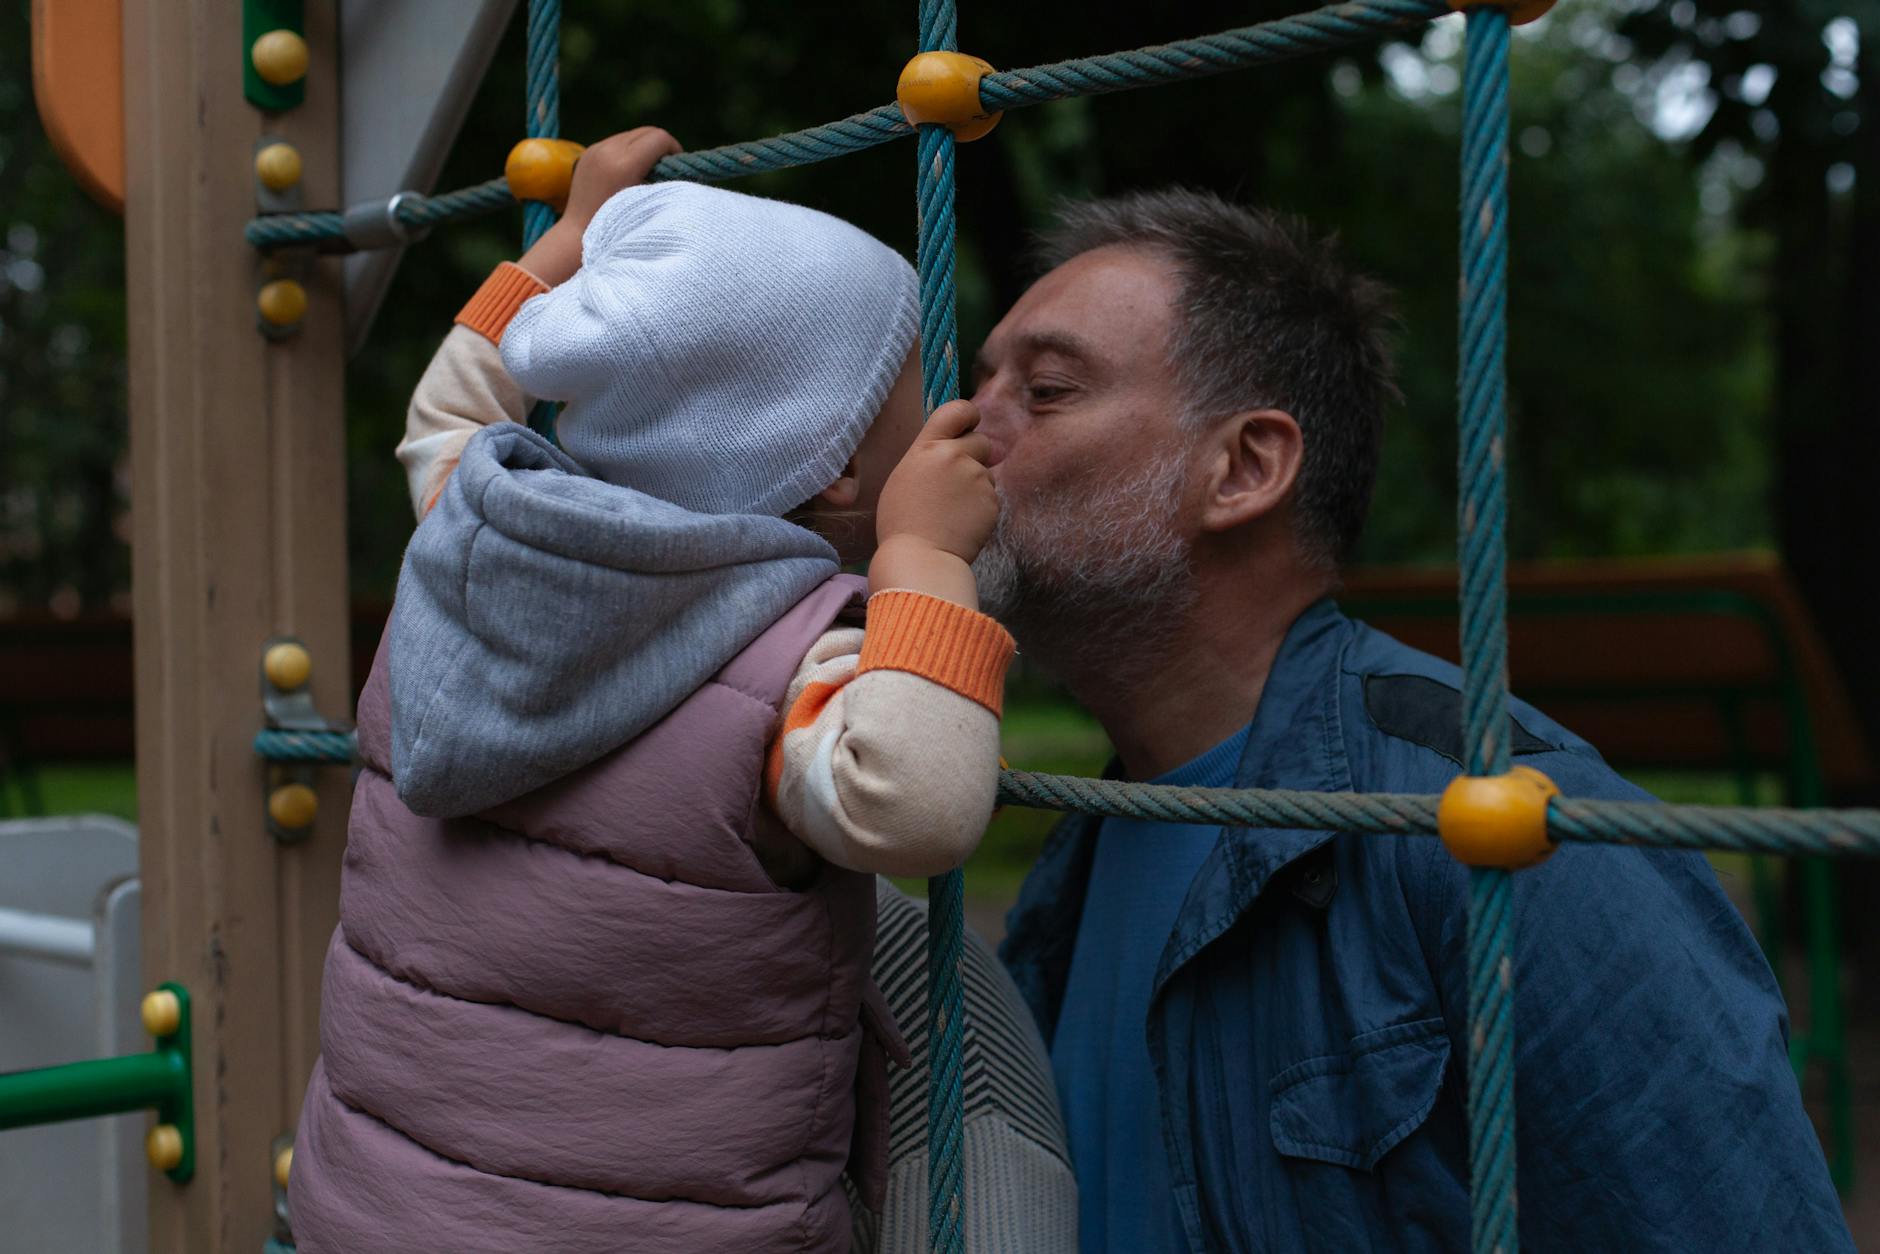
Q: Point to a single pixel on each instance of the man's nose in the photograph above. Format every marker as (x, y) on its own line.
(996, 417)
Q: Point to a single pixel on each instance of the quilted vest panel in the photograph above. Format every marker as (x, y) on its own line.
(587, 1019)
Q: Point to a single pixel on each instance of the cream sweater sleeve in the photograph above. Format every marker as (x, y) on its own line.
(465, 388)
(887, 759)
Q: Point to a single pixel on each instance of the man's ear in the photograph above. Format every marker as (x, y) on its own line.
(1256, 457)
(845, 491)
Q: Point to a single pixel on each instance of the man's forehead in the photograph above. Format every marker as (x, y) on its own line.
(1108, 304)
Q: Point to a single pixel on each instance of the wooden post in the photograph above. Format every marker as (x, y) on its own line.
(238, 506)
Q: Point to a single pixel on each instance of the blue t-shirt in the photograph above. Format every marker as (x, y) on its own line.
(1138, 879)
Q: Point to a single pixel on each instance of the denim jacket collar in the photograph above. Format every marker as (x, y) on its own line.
(1296, 739)
(1296, 736)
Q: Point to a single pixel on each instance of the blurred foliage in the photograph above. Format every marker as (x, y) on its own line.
(62, 415)
(1640, 355)
(1779, 99)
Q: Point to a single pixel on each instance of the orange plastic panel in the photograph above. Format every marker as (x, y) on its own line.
(78, 83)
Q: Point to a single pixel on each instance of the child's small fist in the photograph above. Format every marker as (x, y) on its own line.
(942, 493)
(613, 165)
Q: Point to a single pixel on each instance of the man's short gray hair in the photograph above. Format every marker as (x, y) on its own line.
(1268, 316)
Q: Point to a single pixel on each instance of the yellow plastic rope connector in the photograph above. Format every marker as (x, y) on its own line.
(278, 166)
(163, 1146)
(293, 806)
(161, 1012)
(1497, 820)
(1520, 12)
(543, 169)
(943, 87)
(287, 665)
(281, 303)
(280, 57)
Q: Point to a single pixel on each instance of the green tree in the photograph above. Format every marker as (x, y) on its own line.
(1794, 86)
(1638, 367)
(62, 415)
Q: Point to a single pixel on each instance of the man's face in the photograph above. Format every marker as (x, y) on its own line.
(1075, 380)
(1077, 396)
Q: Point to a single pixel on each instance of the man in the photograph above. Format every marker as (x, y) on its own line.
(1260, 1037)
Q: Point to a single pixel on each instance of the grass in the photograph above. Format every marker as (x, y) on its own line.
(72, 788)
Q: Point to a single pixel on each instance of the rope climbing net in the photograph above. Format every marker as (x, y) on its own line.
(1526, 817)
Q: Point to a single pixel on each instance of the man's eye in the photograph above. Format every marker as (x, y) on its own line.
(1046, 391)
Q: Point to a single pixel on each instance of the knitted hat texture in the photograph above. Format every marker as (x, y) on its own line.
(719, 351)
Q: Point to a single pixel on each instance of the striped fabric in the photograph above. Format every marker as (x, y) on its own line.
(1020, 1194)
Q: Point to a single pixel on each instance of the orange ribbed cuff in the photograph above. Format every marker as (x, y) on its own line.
(957, 648)
(496, 302)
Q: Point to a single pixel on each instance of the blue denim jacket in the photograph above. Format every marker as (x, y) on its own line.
(1308, 1024)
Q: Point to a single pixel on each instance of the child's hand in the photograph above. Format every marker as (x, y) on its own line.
(614, 164)
(937, 509)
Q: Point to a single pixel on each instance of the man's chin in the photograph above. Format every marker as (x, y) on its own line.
(997, 579)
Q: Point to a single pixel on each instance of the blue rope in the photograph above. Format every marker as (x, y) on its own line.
(337, 748)
(946, 894)
(544, 94)
(544, 122)
(1323, 30)
(1482, 532)
(1751, 830)
(1336, 26)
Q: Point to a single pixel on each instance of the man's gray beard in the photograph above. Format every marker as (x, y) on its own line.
(1093, 574)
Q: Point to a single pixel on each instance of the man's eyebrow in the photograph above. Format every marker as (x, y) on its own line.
(1059, 342)
(1035, 343)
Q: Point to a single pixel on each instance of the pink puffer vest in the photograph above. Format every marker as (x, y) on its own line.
(587, 1020)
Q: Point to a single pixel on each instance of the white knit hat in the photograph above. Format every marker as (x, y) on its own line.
(719, 351)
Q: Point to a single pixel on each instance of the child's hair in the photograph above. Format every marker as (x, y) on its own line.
(844, 529)
(719, 351)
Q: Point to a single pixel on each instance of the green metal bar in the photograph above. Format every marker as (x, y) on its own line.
(1764, 894)
(160, 1080)
(85, 1090)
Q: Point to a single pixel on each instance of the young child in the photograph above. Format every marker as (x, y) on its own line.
(602, 975)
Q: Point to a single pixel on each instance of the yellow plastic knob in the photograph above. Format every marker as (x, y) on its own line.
(278, 167)
(283, 1164)
(282, 303)
(293, 806)
(287, 665)
(1497, 820)
(542, 169)
(162, 1013)
(164, 1147)
(280, 57)
(943, 87)
(1520, 12)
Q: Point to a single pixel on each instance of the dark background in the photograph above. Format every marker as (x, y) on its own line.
(1692, 287)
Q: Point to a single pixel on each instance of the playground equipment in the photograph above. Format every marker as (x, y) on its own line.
(1687, 664)
(69, 918)
(109, 1086)
(236, 447)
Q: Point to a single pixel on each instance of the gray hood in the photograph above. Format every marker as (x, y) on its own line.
(545, 618)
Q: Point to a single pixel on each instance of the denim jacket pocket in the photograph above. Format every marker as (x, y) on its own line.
(1350, 1109)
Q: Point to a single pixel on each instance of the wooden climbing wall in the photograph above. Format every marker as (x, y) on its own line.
(238, 508)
